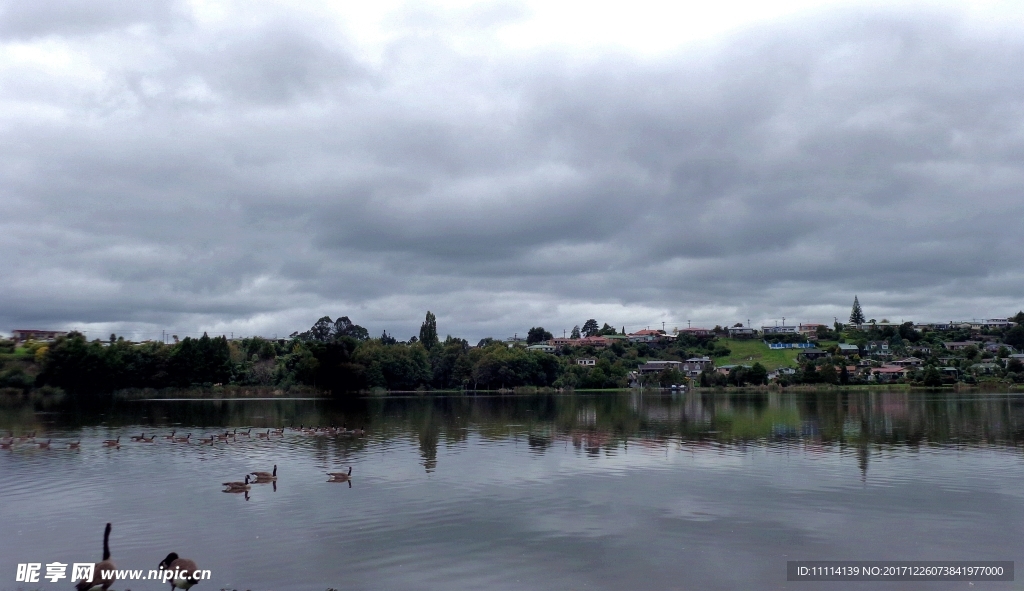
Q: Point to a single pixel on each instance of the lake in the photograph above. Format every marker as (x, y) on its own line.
(622, 490)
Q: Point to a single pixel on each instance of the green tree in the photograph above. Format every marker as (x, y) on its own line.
(932, 377)
(320, 331)
(590, 328)
(428, 331)
(575, 334)
(758, 374)
(856, 314)
(537, 334)
(1015, 337)
(343, 327)
(908, 333)
(827, 374)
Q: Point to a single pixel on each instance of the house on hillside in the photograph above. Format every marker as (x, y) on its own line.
(887, 373)
(960, 345)
(908, 362)
(847, 349)
(725, 369)
(594, 341)
(742, 332)
(660, 366)
(23, 334)
(809, 330)
(693, 366)
(877, 348)
(782, 371)
(542, 347)
(779, 329)
(645, 336)
(991, 324)
(586, 361)
(695, 332)
(812, 354)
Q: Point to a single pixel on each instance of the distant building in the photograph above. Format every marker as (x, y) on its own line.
(742, 332)
(782, 371)
(960, 345)
(22, 334)
(985, 368)
(888, 373)
(809, 329)
(594, 341)
(693, 366)
(543, 348)
(811, 354)
(659, 366)
(725, 369)
(695, 332)
(991, 323)
(908, 362)
(848, 349)
(877, 348)
(645, 336)
(586, 361)
(779, 330)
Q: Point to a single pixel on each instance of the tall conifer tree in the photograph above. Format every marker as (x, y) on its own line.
(856, 314)
(428, 331)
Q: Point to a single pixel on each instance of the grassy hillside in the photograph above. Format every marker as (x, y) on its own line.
(748, 352)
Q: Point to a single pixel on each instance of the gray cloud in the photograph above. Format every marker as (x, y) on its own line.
(255, 175)
(26, 19)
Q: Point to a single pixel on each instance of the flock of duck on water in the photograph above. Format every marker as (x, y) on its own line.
(256, 477)
(185, 569)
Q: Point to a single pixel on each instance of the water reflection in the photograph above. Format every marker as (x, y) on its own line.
(622, 490)
(594, 424)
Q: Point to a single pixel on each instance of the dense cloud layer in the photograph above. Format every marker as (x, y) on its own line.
(162, 169)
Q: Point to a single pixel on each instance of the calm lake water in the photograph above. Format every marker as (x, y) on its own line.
(610, 491)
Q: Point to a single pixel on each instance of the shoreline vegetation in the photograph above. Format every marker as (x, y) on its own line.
(49, 395)
(338, 358)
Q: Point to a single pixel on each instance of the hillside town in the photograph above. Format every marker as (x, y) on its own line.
(341, 355)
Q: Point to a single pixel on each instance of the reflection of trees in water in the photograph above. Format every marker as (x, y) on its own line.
(594, 423)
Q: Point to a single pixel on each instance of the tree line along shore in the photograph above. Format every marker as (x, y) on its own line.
(339, 356)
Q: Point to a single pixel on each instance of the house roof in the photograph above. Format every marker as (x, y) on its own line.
(889, 369)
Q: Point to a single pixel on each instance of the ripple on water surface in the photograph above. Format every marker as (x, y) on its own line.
(610, 491)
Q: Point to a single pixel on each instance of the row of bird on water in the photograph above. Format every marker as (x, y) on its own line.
(182, 573)
(29, 439)
(243, 486)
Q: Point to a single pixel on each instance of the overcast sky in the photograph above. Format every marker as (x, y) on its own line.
(248, 167)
